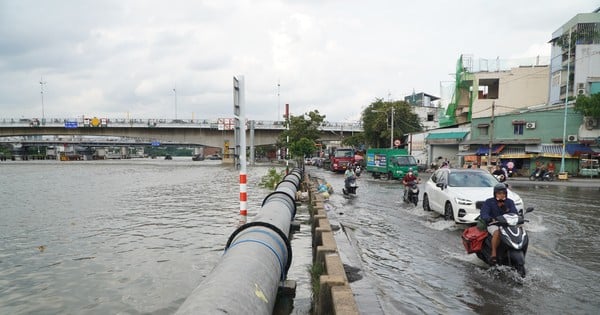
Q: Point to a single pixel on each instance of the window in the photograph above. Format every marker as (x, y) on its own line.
(483, 130)
(488, 89)
(518, 129)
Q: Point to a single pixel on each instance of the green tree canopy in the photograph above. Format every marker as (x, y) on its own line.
(377, 117)
(303, 133)
(588, 105)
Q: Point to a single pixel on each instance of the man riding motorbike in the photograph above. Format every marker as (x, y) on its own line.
(494, 207)
(407, 179)
(500, 174)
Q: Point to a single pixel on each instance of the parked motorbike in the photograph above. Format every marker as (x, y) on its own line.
(411, 193)
(350, 186)
(513, 242)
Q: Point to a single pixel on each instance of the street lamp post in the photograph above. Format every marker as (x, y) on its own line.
(175, 96)
(42, 83)
(392, 135)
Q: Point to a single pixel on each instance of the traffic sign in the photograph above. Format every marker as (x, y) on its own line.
(70, 124)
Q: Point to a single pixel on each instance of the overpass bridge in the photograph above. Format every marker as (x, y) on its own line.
(192, 133)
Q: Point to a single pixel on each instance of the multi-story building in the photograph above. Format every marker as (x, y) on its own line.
(426, 108)
(575, 58)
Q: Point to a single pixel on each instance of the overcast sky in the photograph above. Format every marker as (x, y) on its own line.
(124, 58)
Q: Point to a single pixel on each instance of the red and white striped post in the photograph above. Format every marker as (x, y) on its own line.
(239, 111)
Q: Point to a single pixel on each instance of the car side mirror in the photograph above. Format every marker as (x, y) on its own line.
(529, 209)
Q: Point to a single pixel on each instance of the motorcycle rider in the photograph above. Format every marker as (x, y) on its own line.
(349, 174)
(500, 173)
(494, 207)
(407, 179)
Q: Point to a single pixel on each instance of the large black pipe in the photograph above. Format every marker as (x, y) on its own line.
(255, 262)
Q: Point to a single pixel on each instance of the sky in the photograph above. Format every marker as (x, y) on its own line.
(176, 59)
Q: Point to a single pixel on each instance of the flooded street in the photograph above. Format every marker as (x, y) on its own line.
(419, 266)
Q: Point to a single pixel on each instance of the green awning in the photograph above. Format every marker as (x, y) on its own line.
(447, 135)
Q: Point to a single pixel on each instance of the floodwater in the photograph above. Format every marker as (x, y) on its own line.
(418, 265)
(126, 237)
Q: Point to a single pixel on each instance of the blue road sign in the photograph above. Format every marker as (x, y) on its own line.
(70, 124)
(155, 143)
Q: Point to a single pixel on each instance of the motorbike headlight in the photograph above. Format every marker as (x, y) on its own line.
(463, 201)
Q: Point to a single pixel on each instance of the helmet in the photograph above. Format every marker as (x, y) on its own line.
(500, 187)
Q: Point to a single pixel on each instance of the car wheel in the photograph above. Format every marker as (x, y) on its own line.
(448, 212)
(426, 203)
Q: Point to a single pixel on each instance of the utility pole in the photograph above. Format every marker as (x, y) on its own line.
(491, 134)
(564, 140)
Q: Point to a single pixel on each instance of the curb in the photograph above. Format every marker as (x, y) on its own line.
(335, 295)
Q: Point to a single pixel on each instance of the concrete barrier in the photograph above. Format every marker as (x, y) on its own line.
(335, 295)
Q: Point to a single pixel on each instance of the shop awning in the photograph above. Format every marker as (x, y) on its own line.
(551, 150)
(446, 137)
(515, 153)
(466, 153)
(576, 149)
(484, 150)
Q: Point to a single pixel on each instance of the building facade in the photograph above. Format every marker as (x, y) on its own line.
(575, 58)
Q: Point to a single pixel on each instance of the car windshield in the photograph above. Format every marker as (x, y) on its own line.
(343, 153)
(471, 179)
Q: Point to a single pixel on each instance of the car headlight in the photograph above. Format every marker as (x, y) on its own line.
(463, 201)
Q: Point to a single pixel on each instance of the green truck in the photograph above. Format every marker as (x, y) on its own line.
(390, 163)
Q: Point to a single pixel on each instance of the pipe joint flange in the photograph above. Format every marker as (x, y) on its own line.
(273, 228)
(293, 201)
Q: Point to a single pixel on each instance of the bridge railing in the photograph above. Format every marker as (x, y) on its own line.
(219, 124)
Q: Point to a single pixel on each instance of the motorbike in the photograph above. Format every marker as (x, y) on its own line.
(501, 178)
(541, 175)
(513, 242)
(411, 193)
(350, 186)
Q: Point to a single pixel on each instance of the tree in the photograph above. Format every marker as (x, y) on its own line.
(376, 120)
(303, 133)
(588, 105)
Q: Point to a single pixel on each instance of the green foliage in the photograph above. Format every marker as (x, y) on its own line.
(355, 141)
(303, 133)
(302, 147)
(272, 178)
(588, 105)
(376, 121)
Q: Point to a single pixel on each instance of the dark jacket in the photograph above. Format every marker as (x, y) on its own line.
(490, 209)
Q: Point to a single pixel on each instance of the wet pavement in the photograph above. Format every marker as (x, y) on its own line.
(408, 261)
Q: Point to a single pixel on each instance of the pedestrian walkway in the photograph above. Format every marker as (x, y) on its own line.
(571, 181)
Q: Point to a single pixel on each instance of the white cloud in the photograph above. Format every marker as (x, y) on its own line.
(119, 57)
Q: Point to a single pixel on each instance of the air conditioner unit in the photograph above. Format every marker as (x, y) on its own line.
(580, 91)
(580, 85)
(530, 125)
(572, 138)
(590, 123)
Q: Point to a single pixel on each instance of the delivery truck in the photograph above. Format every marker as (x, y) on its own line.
(390, 163)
